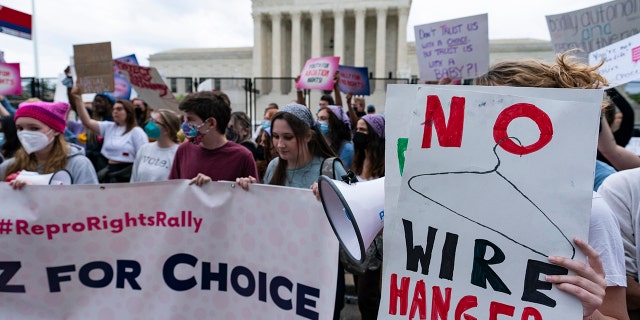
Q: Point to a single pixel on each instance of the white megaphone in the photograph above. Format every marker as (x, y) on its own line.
(355, 211)
(58, 178)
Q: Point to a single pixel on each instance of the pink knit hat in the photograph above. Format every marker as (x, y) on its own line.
(53, 114)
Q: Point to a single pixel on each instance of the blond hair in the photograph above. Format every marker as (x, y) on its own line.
(565, 73)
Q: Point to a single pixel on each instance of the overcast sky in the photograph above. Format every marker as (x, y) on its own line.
(145, 27)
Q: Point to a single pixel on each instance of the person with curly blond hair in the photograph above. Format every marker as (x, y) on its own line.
(600, 283)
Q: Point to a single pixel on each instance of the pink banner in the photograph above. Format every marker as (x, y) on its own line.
(10, 82)
(318, 73)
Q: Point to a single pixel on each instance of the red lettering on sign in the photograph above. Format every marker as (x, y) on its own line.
(519, 110)
(450, 134)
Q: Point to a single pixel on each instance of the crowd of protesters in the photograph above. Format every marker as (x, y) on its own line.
(122, 141)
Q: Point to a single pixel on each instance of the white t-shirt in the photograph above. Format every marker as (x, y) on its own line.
(153, 163)
(119, 147)
(621, 191)
(604, 237)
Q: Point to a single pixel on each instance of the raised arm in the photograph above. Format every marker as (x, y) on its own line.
(619, 157)
(300, 94)
(83, 114)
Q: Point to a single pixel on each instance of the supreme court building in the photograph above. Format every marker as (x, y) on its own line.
(368, 34)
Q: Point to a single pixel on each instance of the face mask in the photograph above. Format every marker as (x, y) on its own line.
(265, 124)
(231, 135)
(192, 130)
(2, 141)
(324, 128)
(360, 140)
(33, 141)
(152, 130)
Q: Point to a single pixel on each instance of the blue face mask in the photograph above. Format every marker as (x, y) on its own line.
(2, 141)
(265, 124)
(152, 130)
(324, 128)
(192, 130)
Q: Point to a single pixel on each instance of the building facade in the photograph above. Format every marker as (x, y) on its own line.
(368, 34)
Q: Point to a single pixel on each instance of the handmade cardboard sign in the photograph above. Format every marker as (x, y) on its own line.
(10, 81)
(125, 251)
(621, 61)
(149, 85)
(456, 49)
(318, 73)
(470, 218)
(594, 27)
(94, 67)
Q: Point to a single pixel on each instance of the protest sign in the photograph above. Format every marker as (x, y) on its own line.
(594, 27)
(2, 56)
(457, 49)
(126, 251)
(354, 80)
(122, 86)
(318, 73)
(149, 85)
(15, 23)
(620, 61)
(467, 189)
(10, 81)
(94, 67)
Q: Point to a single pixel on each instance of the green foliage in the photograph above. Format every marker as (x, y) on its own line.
(635, 97)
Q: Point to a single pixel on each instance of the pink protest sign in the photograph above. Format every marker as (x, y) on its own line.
(318, 73)
(10, 79)
(635, 54)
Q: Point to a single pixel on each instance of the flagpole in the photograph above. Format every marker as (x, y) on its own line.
(34, 39)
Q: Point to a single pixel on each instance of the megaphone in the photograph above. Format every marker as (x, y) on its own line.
(355, 212)
(60, 177)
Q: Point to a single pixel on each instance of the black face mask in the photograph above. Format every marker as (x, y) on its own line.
(360, 140)
(231, 135)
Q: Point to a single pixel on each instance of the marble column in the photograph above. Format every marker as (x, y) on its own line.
(359, 44)
(338, 34)
(402, 69)
(296, 49)
(381, 45)
(316, 34)
(276, 48)
(257, 45)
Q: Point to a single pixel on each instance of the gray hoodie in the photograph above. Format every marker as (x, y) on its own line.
(79, 166)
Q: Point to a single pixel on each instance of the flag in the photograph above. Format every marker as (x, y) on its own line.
(15, 23)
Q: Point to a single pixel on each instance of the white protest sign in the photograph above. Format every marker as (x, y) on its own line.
(471, 227)
(620, 61)
(126, 251)
(149, 85)
(594, 27)
(457, 49)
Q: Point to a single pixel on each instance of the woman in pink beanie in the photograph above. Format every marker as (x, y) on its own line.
(40, 130)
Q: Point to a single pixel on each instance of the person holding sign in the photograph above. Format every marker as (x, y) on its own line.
(122, 138)
(209, 156)
(600, 285)
(301, 153)
(40, 128)
(154, 160)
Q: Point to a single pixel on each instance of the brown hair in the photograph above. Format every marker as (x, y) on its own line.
(317, 145)
(129, 108)
(56, 160)
(375, 148)
(171, 121)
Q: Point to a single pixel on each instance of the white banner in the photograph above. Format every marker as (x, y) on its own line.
(165, 250)
(493, 181)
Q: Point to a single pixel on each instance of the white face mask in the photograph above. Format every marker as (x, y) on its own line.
(33, 141)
